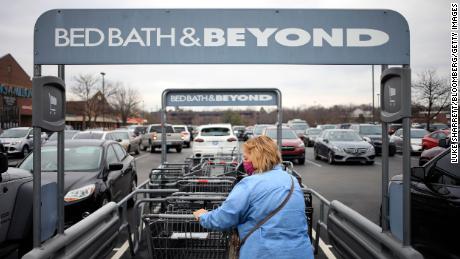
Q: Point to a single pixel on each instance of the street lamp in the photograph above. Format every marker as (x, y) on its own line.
(103, 95)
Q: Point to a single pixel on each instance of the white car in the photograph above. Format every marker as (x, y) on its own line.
(214, 139)
(185, 133)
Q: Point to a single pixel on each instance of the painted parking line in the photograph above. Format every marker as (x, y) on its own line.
(325, 248)
(141, 156)
(120, 251)
(313, 163)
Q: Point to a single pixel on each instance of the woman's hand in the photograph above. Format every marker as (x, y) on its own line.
(198, 213)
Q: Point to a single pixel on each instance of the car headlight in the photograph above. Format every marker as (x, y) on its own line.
(80, 193)
(302, 145)
(371, 149)
(367, 139)
(337, 149)
(15, 142)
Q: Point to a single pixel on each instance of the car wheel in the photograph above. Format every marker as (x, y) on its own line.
(315, 154)
(133, 187)
(179, 149)
(301, 161)
(144, 148)
(369, 162)
(105, 200)
(25, 150)
(152, 149)
(330, 158)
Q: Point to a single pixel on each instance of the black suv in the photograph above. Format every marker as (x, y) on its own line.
(372, 133)
(435, 206)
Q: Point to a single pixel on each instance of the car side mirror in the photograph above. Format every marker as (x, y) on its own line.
(443, 143)
(31, 136)
(418, 173)
(115, 167)
(326, 140)
(119, 140)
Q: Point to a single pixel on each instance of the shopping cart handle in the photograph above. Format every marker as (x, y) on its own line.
(170, 216)
(197, 198)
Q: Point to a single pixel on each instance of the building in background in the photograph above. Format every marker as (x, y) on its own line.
(15, 94)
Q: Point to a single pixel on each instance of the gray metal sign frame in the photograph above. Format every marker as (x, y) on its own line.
(165, 103)
(385, 15)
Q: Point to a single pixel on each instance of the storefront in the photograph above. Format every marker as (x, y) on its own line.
(15, 94)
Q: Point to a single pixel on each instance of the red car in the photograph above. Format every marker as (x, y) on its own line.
(292, 146)
(431, 140)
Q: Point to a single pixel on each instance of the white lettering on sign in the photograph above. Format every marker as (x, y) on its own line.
(216, 98)
(216, 37)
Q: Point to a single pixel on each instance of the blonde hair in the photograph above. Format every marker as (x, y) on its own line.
(263, 152)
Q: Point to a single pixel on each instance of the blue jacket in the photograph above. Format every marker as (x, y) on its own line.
(250, 201)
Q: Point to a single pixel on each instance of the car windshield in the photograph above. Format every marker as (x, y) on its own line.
(418, 133)
(14, 133)
(157, 129)
(179, 129)
(313, 131)
(328, 127)
(370, 130)
(258, 129)
(286, 134)
(82, 158)
(67, 135)
(89, 135)
(118, 135)
(343, 136)
(215, 131)
(299, 126)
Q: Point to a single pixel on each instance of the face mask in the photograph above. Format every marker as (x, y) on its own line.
(248, 167)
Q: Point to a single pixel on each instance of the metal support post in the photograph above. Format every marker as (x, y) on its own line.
(164, 148)
(280, 121)
(406, 177)
(373, 94)
(60, 166)
(385, 168)
(37, 177)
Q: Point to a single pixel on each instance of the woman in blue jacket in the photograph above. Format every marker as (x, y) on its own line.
(285, 234)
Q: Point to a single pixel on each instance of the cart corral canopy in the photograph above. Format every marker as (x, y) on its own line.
(218, 36)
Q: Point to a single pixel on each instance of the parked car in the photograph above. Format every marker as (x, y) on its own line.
(429, 154)
(292, 147)
(138, 130)
(434, 126)
(213, 139)
(15, 210)
(431, 140)
(416, 136)
(326, 126)
(186, 134)
(68, 134)
(393, 127)
(310, 136)
(127, 139)
(372, 133)
(91, 134)
(343, 145)
(107, 174)
(258, 129)
(153, 138)
(17, 141)
(248, 133)
(435, 207)
(299, 129)
(344, 126)
(239, 131)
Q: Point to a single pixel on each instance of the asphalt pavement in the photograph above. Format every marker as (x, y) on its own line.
(356, 185)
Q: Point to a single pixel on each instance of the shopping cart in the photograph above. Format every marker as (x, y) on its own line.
(176, 234)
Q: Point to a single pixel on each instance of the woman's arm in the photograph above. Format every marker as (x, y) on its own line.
(229, 214)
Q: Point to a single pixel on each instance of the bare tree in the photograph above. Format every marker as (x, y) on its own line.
(125, 102)
(85, 88)
(433, 93)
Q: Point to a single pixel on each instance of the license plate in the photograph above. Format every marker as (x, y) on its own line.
(215, 143)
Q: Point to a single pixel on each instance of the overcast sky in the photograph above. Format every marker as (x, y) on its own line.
(301, 85)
